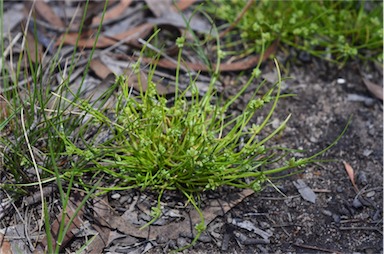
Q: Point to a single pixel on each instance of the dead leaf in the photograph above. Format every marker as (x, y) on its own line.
(184, 4)
(5, 246)
(100, 69)
(130, 36)
(85, 41)
(4, 108)
(351, 174)
(375, 89)
(31, 48)
(94, 9)
(103, 72)
(159, 7)
(13, 17)
(174, 19)
(13, 239)
(172, 230)
(241, 65)
(134, 33)
(46, 12)
(113, 12)
(305, 192)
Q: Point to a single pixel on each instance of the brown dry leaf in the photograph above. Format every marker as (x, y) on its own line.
(94, 9)
(100, 69)
(46, 12)
(4, 108)
(375, 89)
(85, 41)
(31, 44)
(184, 4)
(140, 31)
(174, 229)
(233, 66)
(114, 12)
(5, 245)
(351, 174)
(130, 36)
(103, 72)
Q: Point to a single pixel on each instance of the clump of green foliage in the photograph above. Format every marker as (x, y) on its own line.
(189, 144)
(334, 30)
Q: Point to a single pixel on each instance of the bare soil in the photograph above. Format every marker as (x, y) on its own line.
(341, 220)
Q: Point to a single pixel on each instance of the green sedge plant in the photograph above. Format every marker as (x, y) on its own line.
(333, 30)
(190, 144)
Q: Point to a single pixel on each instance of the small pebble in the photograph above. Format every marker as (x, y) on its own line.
(264, 224)
(367, 152)
(160, 239)
(370, 194)
(377, 215)
(205, 238)
(115, 196)
(356, 203)
(172, 244)
(372, 132)
(369, 103)
(313, 139)
(362, 178)
(181, 242)
(336, 218)
(339, 189)
(299, 241)
(341, 81)
(124, 199)
(276, 123)
(326, 212)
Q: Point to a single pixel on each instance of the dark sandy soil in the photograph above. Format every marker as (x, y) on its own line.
(340, 220)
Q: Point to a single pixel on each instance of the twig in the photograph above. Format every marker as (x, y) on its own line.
(316, 248)
(361, 228)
